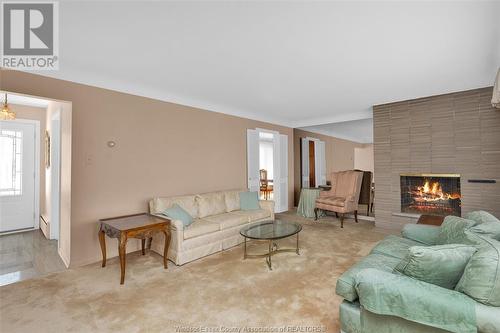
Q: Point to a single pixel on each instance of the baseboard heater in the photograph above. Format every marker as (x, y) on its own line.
(482, 181)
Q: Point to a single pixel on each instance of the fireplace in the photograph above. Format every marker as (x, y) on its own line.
(434, 194)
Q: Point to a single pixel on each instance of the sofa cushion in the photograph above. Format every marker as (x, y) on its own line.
(453, 230)
(394, 246)
(488, 229)
(232, 199)
(253, 215)
(334, 201)
(249, 200)
(200, 227)
(481, 216)
(227, 220)
(187, 202)
(346, 283)
(481, 278)
(211, 204)
(176, 212)
(441, 265)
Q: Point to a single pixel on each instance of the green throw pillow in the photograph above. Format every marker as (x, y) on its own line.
(249, 201)
(453, 230)
(481, 216)
(488, 229)
(481, 278)
(441, 265)
(176, 212)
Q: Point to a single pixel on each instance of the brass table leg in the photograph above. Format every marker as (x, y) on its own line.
(268, 258)
(245, 249)
(298, 251)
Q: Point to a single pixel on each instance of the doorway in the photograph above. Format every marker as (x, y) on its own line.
(313, 162)
(35, 171)
(267, 158)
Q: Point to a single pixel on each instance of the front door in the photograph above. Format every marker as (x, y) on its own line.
(17, 175)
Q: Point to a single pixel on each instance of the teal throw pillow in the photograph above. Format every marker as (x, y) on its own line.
(249, 201)
(441, 265)
(488, 229)
(176, 212)
(453, 230)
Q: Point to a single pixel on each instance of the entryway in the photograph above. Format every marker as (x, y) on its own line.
(35, 186)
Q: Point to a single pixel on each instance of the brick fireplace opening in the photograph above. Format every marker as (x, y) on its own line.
(433, 194)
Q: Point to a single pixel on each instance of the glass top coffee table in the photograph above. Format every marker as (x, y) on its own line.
(270, 231)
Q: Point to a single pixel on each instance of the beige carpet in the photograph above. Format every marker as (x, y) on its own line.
(221, 292)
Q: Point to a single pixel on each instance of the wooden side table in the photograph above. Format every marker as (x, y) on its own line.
(141, 226)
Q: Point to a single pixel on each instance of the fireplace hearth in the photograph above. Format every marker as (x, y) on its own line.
(433, 194)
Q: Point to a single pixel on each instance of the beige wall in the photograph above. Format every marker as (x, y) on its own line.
(162, 149)
(363, 158)
(452, 133)
(339, 155)
(35, 113)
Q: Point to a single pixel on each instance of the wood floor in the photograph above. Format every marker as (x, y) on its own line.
(26, 255)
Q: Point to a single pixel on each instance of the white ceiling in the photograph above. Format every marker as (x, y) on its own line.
(292, 63)
(354, 130)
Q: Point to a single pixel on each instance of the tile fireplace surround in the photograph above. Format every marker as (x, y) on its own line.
(457, 133)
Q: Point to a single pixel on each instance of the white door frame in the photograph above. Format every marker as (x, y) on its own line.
(36, 218)
(55, 177)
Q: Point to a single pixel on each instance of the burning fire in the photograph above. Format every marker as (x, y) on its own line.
(431, 192)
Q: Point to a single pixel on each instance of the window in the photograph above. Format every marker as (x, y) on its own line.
(10, 163)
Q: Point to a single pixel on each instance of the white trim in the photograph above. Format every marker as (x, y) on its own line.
(36, 123)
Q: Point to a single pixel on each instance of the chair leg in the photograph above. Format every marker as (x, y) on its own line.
(341, 220)
(315, 214)
(336, 215)
(368, 210)
(356, 216)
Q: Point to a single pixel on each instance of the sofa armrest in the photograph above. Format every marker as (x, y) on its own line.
(397, 295)
(422, 233)
(267, 205)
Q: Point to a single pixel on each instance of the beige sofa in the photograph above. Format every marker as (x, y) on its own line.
(216, 227)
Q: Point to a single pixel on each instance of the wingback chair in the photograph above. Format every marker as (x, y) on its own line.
(343, 197)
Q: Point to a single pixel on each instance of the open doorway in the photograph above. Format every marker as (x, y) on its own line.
(313, 162)
(268, 166)
(35, 184)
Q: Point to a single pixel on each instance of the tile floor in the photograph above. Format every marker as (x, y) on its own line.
(26, 255)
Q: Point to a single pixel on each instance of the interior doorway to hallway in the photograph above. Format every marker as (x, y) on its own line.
(267, 158)
(35, 187)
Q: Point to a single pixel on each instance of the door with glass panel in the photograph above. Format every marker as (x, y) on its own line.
(17, 175)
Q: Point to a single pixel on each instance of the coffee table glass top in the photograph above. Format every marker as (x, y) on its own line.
(271, 230)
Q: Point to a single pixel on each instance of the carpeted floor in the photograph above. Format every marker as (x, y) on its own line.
(220, 292)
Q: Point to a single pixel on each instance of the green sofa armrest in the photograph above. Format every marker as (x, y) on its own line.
(386, 293)
(426, 234)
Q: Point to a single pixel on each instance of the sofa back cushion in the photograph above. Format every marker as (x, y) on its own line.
(232, 199)
(453, 231)
(441, 265)
(481, 216)
(481, 278)
(211, 204)
(187, 202)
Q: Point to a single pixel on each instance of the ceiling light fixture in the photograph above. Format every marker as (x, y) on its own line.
(7, 113)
